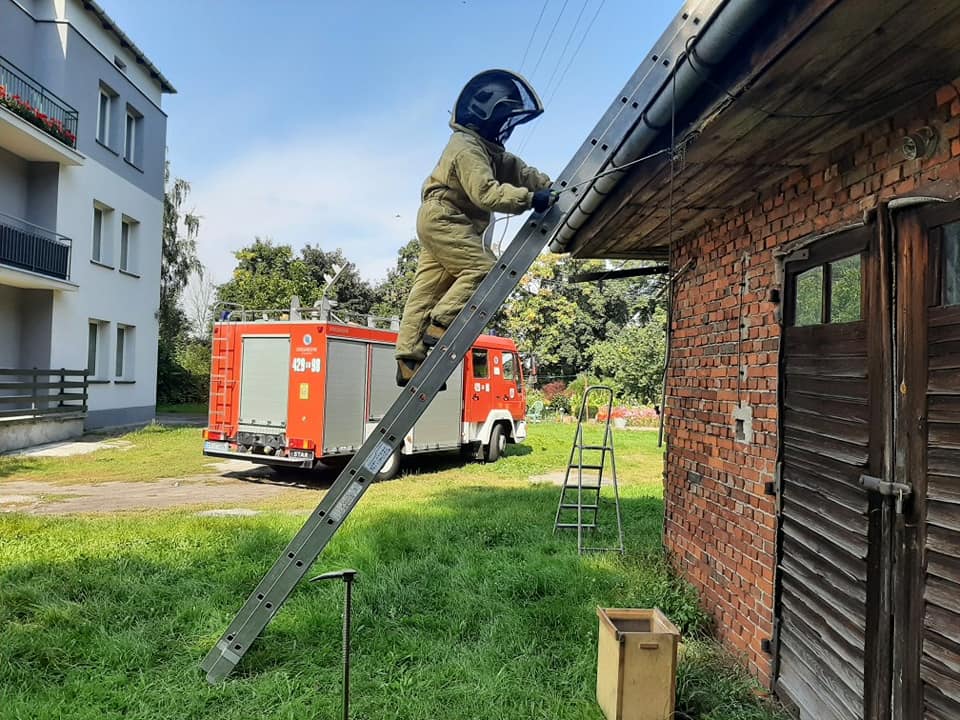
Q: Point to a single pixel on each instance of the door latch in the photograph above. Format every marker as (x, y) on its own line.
(888, 489)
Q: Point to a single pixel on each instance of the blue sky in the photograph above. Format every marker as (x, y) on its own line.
(318, 121)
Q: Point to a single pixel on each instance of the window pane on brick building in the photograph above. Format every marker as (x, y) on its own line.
(951, 264)
(809, 298)
(845, 290)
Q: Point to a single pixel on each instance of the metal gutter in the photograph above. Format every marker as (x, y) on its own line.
(710, 29)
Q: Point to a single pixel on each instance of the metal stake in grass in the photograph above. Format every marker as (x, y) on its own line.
(347, 576)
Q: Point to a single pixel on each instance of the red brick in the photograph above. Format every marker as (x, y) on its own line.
(721, 531)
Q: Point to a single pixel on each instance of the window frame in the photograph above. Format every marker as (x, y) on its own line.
(509, 358)
(846, 243)
(130, 137)
(96, 246)
(104, 110)
(128, 244)
(474, 353)
(99, 372)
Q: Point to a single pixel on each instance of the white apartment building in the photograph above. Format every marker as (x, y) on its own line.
(82, 147)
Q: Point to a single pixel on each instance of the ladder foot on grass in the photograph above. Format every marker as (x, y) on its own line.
(590, 505)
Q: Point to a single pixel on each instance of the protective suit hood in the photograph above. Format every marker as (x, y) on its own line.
(493, 103)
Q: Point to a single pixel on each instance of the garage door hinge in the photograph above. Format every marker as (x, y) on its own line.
(888, 489)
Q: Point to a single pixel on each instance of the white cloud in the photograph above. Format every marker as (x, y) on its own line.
(329, 190)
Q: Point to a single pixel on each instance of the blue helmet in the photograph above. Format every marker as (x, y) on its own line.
(494, 102)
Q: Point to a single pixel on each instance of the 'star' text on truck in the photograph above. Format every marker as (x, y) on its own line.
(298, 392)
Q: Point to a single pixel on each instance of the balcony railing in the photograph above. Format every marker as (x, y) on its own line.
(31, 247)
(28, 99)
(35, 393)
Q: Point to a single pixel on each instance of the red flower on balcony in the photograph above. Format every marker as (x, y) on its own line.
(32, 115)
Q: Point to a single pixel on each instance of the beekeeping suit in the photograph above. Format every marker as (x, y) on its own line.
(474, 178)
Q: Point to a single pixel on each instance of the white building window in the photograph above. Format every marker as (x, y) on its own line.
(128, 244)
(97, 234)
(123, 365)
(103, 116)
(133, 137)
(96, 349)
(102, 248)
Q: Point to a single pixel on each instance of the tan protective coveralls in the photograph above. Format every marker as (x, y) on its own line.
(473, 179)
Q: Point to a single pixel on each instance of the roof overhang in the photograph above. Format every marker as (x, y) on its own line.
(809, 76)
(125, 42)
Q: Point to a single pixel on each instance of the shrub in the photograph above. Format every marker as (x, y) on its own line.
(556, 397)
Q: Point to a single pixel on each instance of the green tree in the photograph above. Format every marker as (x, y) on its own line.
(560, 322)
(353, 294)
(391, 293)
(633, 359)
(267, 276)
(179, 254)
(178, 262)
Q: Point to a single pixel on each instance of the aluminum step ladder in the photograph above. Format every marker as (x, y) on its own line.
(594, 156)
(582, 496)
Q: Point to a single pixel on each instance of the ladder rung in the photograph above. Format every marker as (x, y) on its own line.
(574, 506)
(582, 487)
(594, 447)
(587, 467)
(586, 526)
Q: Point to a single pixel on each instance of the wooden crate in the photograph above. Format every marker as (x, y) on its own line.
(636, 664)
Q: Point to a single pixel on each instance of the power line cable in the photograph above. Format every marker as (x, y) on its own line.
(566, 44)
(563, 75)
(577, 51)
(546, 44)
(533, 34)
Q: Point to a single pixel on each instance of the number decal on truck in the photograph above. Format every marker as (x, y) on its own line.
(301, 364)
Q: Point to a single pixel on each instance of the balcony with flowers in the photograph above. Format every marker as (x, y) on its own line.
(34, 123)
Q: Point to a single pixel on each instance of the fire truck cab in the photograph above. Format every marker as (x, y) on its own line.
(298, 393)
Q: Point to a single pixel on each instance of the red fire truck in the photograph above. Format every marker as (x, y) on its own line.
(301, 392)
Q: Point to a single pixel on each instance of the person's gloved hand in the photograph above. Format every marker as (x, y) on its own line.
(544, 199)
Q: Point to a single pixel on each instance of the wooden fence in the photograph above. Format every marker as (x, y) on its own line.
(39, 393)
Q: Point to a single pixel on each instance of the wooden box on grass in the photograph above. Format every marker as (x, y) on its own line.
(636, 664)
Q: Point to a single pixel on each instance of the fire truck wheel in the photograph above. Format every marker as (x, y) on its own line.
(390, 470)
(498, 441)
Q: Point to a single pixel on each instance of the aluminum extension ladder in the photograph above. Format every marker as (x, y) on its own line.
(594, 156)
(567, 504)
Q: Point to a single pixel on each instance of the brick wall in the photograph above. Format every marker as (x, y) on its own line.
(720, 525)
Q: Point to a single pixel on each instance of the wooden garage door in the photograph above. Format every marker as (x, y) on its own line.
(927, 621)
(828, 578)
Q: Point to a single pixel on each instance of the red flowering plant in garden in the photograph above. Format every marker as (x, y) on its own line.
(20, 107)
(635, 416)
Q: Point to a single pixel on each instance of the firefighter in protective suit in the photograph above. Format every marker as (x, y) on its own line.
(474, 178)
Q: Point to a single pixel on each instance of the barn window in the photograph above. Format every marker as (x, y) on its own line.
(950, 268)
(845, 296)
(809, 297)
(829, 293)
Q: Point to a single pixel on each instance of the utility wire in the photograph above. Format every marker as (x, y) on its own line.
(566, 44)
(533, 34)
(576, 51)
(563, 75)
(546, 44)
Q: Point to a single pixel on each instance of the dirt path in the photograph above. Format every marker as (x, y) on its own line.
(233, 485)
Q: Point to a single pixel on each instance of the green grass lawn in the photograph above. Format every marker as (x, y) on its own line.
(184, 408)
(156, 452)
(467, 605)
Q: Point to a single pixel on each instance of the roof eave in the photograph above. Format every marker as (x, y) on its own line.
(125, 42)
